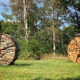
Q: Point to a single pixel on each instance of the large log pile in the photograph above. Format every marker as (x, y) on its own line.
(7, 50)
(74, 49)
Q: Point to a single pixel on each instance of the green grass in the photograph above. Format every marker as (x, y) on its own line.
(62, 69)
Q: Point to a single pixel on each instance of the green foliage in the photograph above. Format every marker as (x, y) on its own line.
(12, 28)
(33, 45)
(22, 47)
(41, 34)
(8, 28)
(69, 33)
(40, 43)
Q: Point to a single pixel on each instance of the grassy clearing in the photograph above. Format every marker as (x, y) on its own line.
(52, 57)
(61, 69)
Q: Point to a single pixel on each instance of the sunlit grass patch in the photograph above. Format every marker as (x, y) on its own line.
(61, 69)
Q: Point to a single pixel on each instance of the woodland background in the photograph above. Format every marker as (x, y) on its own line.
(40, 27)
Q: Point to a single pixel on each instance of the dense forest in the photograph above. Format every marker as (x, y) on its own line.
(41, 26)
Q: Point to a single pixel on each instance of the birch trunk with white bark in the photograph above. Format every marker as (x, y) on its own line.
(53, 27)
(54, 44)
(25, 19)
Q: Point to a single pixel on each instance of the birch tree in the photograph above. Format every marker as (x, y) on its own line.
(25, 12)
(53, 27)
(20, 10)
(57, 9)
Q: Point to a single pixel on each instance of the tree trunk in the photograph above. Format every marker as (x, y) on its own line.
(0, 26)
(25, 20)
(77, 18)
(54, 44)
(62, 42)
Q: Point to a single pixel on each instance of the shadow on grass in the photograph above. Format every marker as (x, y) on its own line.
(69, 61)
(38, 78)
(77, 78)
(22, 65)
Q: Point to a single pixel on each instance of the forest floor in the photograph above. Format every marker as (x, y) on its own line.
(58, 69)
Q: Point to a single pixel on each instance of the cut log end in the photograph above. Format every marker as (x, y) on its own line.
(74, 49)
(7, 50)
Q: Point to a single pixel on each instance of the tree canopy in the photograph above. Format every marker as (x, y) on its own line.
(48, 23)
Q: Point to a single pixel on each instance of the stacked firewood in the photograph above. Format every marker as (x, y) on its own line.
(7, 50)
(74, 49)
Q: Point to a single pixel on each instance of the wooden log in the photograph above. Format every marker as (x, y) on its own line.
(7, 50)
(74, 49)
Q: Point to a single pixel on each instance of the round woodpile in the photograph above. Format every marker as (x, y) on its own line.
(7, 50)
(74, 49)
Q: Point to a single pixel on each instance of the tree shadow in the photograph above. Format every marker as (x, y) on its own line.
(76, 78)
(38, 78)
(22, 65)
(48, 79)
(69, 61)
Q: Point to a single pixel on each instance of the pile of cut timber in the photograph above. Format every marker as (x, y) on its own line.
(74, 49)
(7, 50)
